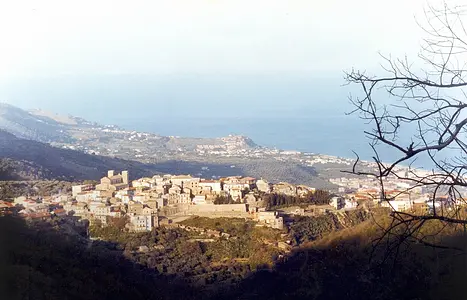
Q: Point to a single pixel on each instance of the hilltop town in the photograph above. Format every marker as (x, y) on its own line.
(161, 199)
(148, 202)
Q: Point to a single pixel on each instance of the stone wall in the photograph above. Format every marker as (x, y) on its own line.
(218, 208)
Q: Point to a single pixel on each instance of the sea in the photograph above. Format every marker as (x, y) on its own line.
(342, 136)
(300, 112)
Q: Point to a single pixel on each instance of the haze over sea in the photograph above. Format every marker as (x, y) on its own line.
(308, 114)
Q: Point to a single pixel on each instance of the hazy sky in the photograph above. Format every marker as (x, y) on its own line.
(66, 37)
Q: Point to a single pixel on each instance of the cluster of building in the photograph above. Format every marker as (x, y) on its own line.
(147, 202)
(327, 159)
(400, 192)
(150, 201)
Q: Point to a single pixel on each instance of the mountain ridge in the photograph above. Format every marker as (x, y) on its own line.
(44, 126)
(203, 157)
(23, 159)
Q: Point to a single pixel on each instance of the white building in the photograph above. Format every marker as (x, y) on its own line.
(77, 189)
(216, 186)
(398, 205)
(337, 202)
(85, 197)
(181, 179)
(271, 219)
(141, 223)
(263, 186)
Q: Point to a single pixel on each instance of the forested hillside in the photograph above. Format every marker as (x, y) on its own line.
(43, 263)
(25, 160)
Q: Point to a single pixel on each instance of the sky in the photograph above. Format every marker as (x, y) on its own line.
(94, 51)
(177, 67)
(43, 38)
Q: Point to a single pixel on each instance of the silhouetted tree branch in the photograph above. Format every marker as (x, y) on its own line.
(427, 101)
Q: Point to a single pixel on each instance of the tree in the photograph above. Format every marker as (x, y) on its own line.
(221, 199)
(428, 103)
(320, 197)
(120, 222)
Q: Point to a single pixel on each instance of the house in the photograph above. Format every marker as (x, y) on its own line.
(85, 196)
(19, 200)
(159, 180)
(77, 209)
(56, 199)
(337, 202)
(187, 190)
(161, 189)
(115, 211)
(231, 179)
(181, 179)
(135, 208)
(143, 249)
(249, 182)
(214, 185)
(270, 219)
(237, 182)
(140, 197)
(398, 205)
(59, 212)
(368, 195)
(29, 203)
(161, 202)
(37, 217)
(144, 182)
(78, 189)
(101, 210)
(263, 186)
(236, 193)
(350, 204)
(94, 204)
(397, 195)
(235, 189)
(152, 203)
(175, 189)
(147, 211)
(179, 199)
(141, 223)
(125, 195)
(102, 219)
(6, 208)
(191, 184)
(285, 188)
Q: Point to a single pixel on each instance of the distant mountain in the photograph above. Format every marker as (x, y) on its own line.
(26, 125)
(84, 150)
(22, 159)
(79, 134)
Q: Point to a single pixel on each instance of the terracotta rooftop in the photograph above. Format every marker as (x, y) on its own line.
(209, 181)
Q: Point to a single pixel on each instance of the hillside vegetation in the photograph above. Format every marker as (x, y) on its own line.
(26, 160)
(206, 261)
(12, 189)
(46, 263)
(347, 264)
